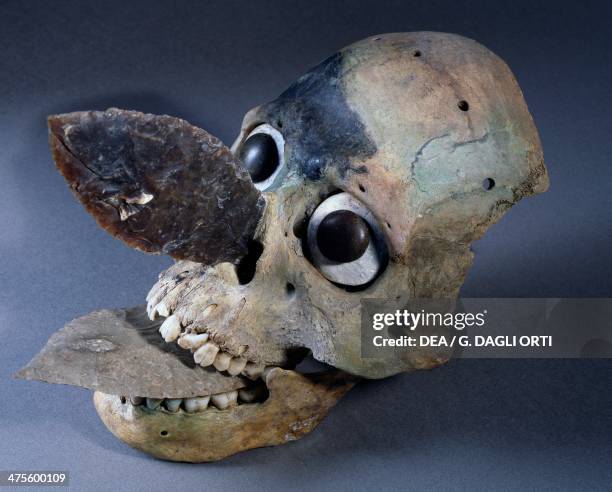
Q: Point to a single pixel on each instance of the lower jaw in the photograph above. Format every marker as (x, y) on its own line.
(296, 404)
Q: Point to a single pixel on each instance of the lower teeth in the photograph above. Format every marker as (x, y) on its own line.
(221, 401)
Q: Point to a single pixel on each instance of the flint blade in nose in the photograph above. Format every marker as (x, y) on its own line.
(158, 183)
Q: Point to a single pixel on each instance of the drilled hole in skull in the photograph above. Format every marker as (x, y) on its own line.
(463, 105)
(488, 184)
(246, 267)
(290, 289)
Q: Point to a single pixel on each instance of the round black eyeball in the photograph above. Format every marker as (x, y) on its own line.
(343, 236)
(260, 156)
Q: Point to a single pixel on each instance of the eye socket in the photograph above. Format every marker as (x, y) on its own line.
(262, 153)
(346, 243)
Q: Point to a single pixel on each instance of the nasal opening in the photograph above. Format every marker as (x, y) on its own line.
(246, 267)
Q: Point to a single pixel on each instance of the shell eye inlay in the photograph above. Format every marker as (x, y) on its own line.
(346, 243)
(259, 154)
(343, 236)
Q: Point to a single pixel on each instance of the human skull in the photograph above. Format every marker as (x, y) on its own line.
(370, 178)
(426, 132)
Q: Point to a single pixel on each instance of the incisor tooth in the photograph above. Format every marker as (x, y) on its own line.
(253, 371)
(153, 403)
(236, 366)
(225, 400)
(170, 329)
(151, 312)
(197, 404)
(222, 361)
(162, 309)
(205, 355)
(249, 395)
(172, 405)
(192, 341)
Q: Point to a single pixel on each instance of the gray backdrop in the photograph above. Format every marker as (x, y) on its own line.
(471, 424)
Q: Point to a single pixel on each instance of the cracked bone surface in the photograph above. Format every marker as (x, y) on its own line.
(426, 136)
(295, 406)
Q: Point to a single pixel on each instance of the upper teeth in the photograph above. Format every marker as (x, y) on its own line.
(170, 328)
(206, 354)
(192, 341)
(205, 351)
(236, 366)
(222, 361)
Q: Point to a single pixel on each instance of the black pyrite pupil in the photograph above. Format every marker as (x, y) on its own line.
(260, 156)
(343, 236)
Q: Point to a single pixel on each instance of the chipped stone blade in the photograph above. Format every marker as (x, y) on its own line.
(120, 352)
(158, 183)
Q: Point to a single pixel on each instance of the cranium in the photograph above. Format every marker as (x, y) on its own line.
(368, 178)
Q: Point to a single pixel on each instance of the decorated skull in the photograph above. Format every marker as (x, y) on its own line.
(368, 178)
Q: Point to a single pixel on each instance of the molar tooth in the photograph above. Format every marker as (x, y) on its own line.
(253, 371)
(197, 404)
(136, 400)
(173, 404)
(170, 328)
(162, 309)
(236, 366)
(192, 341)
(249, 395)
(225, 400)
(153, 403)
(222, 361)
(205, 355)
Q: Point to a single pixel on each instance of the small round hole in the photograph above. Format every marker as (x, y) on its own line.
(290, 289)
(123, 400)
(362, 188)
(163, 433)
(463, 105)
(417, 53)
(279, 123)
(488, 184)
(389, 225)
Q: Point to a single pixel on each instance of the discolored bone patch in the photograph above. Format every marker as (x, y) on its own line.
(158, 183)
(296, 405)
(121, 352)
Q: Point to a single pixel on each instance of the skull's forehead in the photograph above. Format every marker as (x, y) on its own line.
(386, 120)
